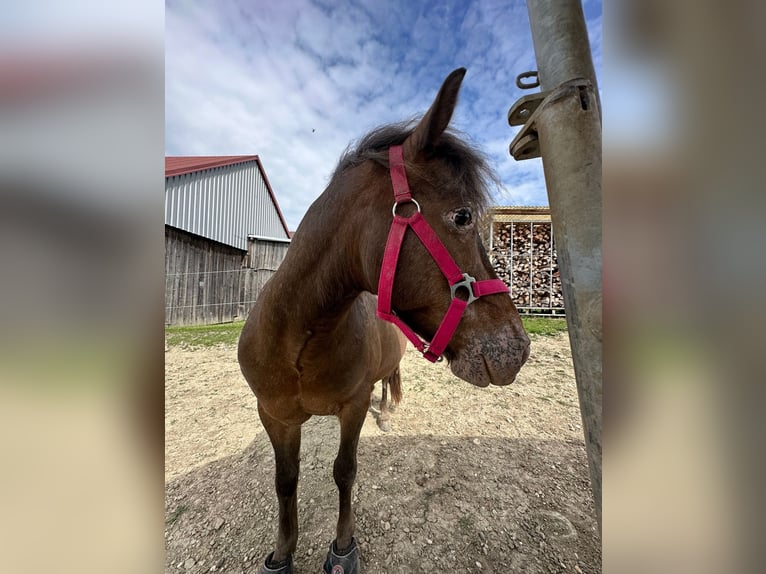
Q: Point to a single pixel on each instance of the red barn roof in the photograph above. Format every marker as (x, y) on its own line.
(179, 165)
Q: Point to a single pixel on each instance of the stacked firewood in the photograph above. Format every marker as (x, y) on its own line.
(524, 256)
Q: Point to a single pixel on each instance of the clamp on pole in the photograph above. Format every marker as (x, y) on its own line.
(525, 112)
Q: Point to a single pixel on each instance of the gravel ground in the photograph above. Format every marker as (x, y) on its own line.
(471, 480)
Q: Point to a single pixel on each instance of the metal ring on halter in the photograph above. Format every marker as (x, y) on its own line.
(397, 203)
(426, 347)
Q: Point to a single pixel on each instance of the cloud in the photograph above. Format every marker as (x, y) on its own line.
(296, 82)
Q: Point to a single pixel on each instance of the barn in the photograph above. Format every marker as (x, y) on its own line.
(523, 254)
(225, 236)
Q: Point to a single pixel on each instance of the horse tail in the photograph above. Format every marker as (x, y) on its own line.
(394, 381)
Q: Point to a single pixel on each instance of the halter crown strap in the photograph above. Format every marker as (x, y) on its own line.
(398, 175)
(455, 278)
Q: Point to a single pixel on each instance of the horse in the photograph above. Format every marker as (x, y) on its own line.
(358, 274)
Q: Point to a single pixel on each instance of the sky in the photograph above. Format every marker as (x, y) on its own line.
(297, 81)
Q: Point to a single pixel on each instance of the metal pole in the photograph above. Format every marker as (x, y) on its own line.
(550, 266)
(510, 243)
(491, 234)
(531, 241)
(560, 37)
(569, 132)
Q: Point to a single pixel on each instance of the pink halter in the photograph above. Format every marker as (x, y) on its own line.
(455, 278)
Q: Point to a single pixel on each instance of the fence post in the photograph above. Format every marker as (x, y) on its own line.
(563, 125)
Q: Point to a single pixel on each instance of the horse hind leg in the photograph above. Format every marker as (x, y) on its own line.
(394, 380)
(344, 551)
(384, 418)
(286, 440)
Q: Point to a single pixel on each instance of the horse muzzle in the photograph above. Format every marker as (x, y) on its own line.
(491, 360)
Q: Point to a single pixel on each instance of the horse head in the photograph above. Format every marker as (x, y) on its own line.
(447, 183)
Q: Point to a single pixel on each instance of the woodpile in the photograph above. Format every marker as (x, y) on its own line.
(524, 256)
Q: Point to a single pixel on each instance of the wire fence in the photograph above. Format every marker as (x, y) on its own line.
(210, 304)
(224, 295)
(217, 296)
(198, 273)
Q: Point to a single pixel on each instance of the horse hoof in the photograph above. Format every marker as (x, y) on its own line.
(284, 567)
(385, 426)
(346, 564)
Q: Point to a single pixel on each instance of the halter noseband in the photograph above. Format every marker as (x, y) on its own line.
(455, 278)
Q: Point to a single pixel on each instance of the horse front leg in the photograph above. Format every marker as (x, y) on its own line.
(344, 551)
(286, 440)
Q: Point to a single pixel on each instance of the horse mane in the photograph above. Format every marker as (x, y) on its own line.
(468, 166)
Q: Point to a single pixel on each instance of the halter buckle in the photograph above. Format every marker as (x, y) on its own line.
(467, 281)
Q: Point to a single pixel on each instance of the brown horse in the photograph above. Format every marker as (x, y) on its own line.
(314, 344)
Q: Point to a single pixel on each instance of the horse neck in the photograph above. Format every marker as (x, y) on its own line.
(327, 265)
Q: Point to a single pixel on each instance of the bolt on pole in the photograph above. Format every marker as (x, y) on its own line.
(563, 125)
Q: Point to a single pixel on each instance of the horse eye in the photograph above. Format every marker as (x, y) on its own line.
(462, 217)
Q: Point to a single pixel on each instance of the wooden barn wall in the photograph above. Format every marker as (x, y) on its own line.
(207, 282)
(266, 255)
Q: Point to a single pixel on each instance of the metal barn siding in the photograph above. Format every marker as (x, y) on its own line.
(224, 203)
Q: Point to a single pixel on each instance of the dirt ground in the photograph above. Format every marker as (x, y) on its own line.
(488, 480)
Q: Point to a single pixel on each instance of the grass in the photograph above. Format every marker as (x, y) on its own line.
(203, 335)
(545, 326)
(228, 333)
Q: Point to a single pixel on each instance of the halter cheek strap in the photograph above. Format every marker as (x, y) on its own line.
(455, 278)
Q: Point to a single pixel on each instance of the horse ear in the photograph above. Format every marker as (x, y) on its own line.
(436, 119)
